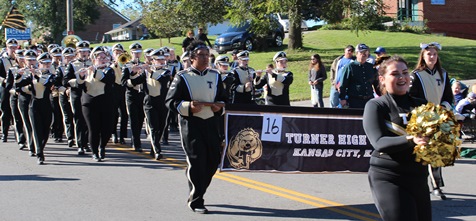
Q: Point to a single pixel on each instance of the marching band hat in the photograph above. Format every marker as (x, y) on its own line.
(55, 52)
(135, 47)
(280, 56)
(44, 57)
(158, 54)
(51, 46)
(148, 51)
(361, 47)
(83, 46)
(40, 47)
(244, 55)
(117, 47)
(30, 54)
(166, 51)
(12, 42)
(97, 50)
(185, 56)
(68, 51)
(235, 51)
(222, 60)
(19, 53)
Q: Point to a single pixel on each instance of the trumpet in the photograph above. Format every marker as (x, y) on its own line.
(124, 58)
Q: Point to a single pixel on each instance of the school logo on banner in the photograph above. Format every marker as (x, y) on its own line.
(244, 149)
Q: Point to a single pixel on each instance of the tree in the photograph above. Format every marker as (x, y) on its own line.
(162, 18)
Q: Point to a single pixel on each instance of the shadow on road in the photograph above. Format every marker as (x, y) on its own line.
(33, 177)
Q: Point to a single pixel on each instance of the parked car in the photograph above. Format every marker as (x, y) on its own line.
(240, 37)
(284, 21)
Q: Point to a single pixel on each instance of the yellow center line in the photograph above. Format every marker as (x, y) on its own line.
(264, 187)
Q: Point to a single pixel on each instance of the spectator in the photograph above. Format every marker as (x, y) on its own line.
(187, 40)
(203, 37)
(336, 67)
(467, 105)
(459, 91)
(234, 63)
(358, 80)
(380, 51)
(317, 75)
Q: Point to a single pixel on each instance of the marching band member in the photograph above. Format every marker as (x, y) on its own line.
(119, 99)
(23, 78)
(186, 60)
(147, 57)
(6, 62)
(278, 81)
(40, 82)
(198, 123)
(65, 106)
(133, 76)
(243, 80)
(75, 93)
(171, 121)
(97, 82)
(155, 89)
(57, 128)
(9, 86)
(222, 64)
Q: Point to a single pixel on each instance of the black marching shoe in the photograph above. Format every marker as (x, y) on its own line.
(122, 141)
(102, 152)
(158, 156)
(200, 210)
(80, 151)
(41, 159)
(32, 154)
(114, 138)
(138, 149)
(70, 143)
(87, 149)
(96, 157)
(22, 146)
(438, 193)
(165, 142)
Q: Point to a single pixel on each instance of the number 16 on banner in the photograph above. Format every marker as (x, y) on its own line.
(272, 127)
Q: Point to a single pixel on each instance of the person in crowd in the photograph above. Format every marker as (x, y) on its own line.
(234, 55)
(147, 58)
(203, 37)
(277, 81)
(243, 76)
(431, 82)
(6, 62)
(75, 93)
(39, 83)
(155, 87)
(193, 95)
(398, 183)
(466, 105)
(186, 60)
(459, 91)
(380, 51)
(64, 103)
(9, 86)
(119, 98)
(212, 61)
(187, 40)
(358, 80)
(317, 75)
(222, 64)
(133, 76)
(22, 78)
(336, 70)
(97, 82)
(57, 128)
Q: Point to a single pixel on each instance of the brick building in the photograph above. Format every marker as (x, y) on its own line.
(455, 18)
(109, 18)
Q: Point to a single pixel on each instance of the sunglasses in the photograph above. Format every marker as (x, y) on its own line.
(432, 44)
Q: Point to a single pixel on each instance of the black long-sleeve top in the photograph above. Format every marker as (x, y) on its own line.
(319, 75)
(392, 150)
(131, 80)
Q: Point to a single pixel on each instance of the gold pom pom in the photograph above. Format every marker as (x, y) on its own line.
(441, 126)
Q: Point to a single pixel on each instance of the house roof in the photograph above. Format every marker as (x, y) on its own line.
(130, 24)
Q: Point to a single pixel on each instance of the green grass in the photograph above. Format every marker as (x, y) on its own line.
(458, 56)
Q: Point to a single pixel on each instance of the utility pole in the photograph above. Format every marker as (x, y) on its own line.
(69, 17)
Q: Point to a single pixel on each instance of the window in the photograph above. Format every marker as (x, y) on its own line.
(437, 2)
(114, 26)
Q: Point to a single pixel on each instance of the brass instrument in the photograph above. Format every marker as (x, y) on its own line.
(70, 41)
(124, 58)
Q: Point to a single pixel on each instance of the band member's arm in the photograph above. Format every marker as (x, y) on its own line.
(286, 79)
(178, 99)
(108, 76)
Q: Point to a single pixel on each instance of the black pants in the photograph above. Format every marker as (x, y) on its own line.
(40, 117)
(57, 127)
(171, 121)
(119, 110)
(67, 116)
(6, 116)
(156, 114)
(24, 107)
(135, 108)
(97, 114)
(18, 122)
(400, 197)
(201, 143)
(436, 177)
(80, 128)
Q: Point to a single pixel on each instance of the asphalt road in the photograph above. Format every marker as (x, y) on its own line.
(132, 186)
